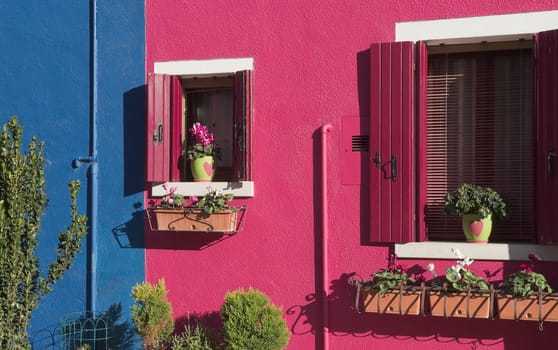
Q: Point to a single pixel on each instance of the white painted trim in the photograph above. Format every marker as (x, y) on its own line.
(477, 27)
(238, 189)
(478, 251)
(202, 67)
(469, 30)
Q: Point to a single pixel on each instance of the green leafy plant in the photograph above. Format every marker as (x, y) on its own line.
(250, 321)
(526, 281)
(171, 199)
(213, 201)
(460, 278)
(192, 338)
(392, 277)
(473, 199)
(22, 204)
(203, 144)
(152, 314)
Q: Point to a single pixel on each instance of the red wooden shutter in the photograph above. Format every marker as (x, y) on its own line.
(392, 182)
(158, 127)
(242, 127)
(547, 136)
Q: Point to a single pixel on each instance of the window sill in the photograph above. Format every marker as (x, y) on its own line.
(488, 251)
(238, 189)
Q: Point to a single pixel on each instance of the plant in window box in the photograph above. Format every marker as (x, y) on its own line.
(478, 206)
(526, 295)
(208, 213)
(391, 290)
(202, 153)
(461, 293)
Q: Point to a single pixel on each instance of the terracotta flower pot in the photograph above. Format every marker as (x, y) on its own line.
(191, 219)
(449, 304)
(405, 302)
(529, 309)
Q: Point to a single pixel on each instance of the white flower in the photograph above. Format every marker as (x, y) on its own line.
(467, 261)
(457, 253)
(430, 267)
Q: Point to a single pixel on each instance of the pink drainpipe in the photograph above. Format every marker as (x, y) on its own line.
(325, 232)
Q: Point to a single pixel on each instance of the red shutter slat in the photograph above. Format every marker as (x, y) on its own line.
(177, 161)
(547, 135)
(242, 126)
(158, 128)
(392, 138)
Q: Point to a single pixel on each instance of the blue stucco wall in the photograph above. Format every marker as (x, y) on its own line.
(46, 79)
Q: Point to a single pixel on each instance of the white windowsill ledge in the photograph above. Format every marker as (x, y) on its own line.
(238, 189)
(478, 251)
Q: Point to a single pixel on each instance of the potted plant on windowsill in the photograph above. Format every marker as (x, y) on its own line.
(461, 293)
(391, 290)
(477, 206)
(211, 212)
(526, 295)
(202, 153)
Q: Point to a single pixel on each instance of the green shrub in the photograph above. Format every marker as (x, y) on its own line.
(22, 204)
(192, 338)
(152, 314)
(250, 321)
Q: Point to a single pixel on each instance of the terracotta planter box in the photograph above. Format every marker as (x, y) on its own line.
(189, 219)
(528, 309)
(449, 304)
(406, 302)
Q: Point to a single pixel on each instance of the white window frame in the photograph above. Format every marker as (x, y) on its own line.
(201, 68)
(474, 30)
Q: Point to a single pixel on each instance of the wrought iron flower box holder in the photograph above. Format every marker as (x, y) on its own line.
(467, 304)
(195, 220)
(542, 307)
(402, 301)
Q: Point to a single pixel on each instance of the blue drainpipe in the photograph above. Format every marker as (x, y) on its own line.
(93, 167)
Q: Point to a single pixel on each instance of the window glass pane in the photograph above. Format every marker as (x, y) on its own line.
(479, 130)
(214, 107)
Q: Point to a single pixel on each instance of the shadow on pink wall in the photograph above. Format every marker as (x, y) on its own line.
(346, 322)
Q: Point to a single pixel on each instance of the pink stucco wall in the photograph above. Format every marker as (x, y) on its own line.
(308, 57)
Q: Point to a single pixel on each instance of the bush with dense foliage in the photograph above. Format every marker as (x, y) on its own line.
(251, 321)
(152, 314)
(22, 204)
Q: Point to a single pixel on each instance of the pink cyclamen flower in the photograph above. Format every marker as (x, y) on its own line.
(534, 257)
(198, 130)
(172, 190)
(165, 187)
(526, 267)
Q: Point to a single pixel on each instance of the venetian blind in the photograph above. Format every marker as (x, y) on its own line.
(480, 131)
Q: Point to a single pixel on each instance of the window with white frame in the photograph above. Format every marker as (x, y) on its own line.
(216, 93)
(482, 112)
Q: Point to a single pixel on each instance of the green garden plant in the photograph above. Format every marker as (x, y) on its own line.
(152, 314)
(250, 321)
(474, 199)
(22, 204)
(193, 337)
(392, 277)
(460, 278)
(214, 201)
(526, 281)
